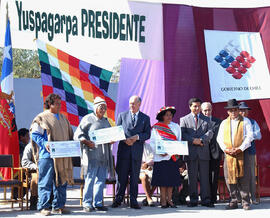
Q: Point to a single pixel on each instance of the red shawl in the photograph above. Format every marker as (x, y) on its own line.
(166, 134)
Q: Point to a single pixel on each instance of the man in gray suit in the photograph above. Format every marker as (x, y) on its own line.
(129, 155)
(196, 129)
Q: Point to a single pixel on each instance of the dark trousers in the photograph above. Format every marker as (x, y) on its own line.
(214, 166)
(201, 168)
(242, 185)
(127, 168)
(180, 197)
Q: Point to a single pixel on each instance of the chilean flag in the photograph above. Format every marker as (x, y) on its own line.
(9, 141)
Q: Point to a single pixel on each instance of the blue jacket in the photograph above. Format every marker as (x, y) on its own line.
(142, 128)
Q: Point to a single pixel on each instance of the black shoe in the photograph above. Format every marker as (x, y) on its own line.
(116, 204)
(231, 206)
(135, 206)
(164, 206)
(184, 202)
(191, 204)
(33, 206)
(214, 201)
(145, 202)
(208, 204)
(33, 203)
(102, 208)
(171, 204)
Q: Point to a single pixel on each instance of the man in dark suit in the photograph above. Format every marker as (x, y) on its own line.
(215, 151)
(129, 155)
(196, 129)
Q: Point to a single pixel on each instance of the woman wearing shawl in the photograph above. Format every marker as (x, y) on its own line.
(166, 168)
(96, 160)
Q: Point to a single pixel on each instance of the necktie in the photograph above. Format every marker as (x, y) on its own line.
(133, 119)
(196, 121)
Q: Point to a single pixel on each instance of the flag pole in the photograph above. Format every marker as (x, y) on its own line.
(7, 17)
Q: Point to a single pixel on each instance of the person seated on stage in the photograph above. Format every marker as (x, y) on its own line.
(29, 163)
(180, 193)
(24, 139)
(146, 175)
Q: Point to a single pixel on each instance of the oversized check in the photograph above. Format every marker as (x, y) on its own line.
(107, 135)
(171, 147)
(65, 149)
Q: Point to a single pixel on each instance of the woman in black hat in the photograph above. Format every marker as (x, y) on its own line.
(166, 168)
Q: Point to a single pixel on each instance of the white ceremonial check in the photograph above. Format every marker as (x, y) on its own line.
(107, 135)
(65, 149)
(172, 147)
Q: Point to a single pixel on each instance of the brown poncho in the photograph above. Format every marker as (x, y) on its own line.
(235, 164)
(58, 130)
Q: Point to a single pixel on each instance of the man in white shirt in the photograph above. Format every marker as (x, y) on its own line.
(234, 137)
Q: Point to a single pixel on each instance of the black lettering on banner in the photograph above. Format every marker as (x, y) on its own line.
(68, 27)
(37, 22)
(91, 23)
(31, 20)
(122, 27)
(57, 23)
(136, 19)
(98, 24)
(141, 38)
(129, 27)
(25, 20)
(105, 33)
(44, 22)
(74, 26)
(115, 25)
(84, 20)
(94, 24)
(50, 27)
(19, 11)
(63, 21)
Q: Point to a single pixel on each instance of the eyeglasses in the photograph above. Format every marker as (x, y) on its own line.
(102, 107)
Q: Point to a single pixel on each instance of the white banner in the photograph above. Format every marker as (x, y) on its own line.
(100, 32)
(237, 66)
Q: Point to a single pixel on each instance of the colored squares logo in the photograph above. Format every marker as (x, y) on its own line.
(236, 62)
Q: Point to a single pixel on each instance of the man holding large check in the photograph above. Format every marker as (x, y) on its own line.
(107, 135)
(96, 135)
(47, 128)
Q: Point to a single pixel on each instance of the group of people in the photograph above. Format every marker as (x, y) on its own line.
(208, 138)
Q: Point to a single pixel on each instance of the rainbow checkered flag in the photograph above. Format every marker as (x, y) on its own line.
(76, 81)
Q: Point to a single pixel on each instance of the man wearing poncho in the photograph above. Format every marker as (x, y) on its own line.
(54, 174)
(234, 137)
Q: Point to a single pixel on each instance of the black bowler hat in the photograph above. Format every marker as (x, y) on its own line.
(232, 103)
(243, 105)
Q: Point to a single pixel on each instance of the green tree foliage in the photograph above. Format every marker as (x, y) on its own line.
(25, 63)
